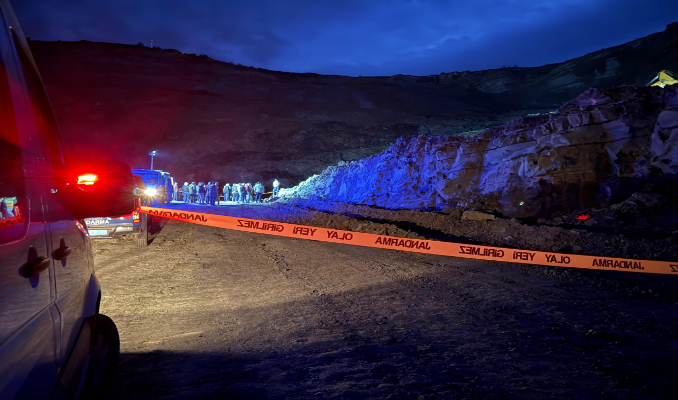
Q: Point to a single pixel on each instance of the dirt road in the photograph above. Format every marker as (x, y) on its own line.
(211, 313)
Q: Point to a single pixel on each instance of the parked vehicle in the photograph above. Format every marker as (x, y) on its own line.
(54, 343)
(132, 226)
(155, 181)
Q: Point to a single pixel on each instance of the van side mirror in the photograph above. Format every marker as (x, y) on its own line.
(99, 190)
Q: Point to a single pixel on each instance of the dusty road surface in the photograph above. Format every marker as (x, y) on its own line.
(210, 313)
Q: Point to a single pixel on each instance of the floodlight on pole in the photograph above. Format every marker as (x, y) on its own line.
(152, 153)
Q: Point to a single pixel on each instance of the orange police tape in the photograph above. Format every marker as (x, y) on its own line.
(417, 245)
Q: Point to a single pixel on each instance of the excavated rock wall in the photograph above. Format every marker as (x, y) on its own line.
(601, 145)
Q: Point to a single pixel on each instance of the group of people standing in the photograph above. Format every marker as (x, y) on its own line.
(209, 194)
(244, 192)
(201, 193)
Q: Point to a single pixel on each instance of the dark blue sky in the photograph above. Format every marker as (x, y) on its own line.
(351, 37)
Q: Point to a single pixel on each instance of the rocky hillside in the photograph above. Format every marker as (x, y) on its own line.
(596, 150)
(213, 120)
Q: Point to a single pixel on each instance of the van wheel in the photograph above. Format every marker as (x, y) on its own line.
(103, 361)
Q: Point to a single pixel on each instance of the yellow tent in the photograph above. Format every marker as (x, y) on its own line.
(663, 79)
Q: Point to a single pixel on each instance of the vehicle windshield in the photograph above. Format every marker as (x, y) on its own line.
(150, 180)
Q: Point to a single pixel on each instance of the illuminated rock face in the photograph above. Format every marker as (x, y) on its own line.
(625, 137)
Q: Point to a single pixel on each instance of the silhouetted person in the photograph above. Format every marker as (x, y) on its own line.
(227, 192)
(236, 192)
(208, 193)
(243, 193)
(201, 193)
(214, 193)
(192, 193)
(250, 191)
(259, 190)
(169, 191)
(184, 191)
(276, 187)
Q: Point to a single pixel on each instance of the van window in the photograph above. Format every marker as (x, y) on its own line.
(42, 110)
(150, 180)
(12, 198)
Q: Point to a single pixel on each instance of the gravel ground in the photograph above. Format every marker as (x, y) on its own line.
(210, 313)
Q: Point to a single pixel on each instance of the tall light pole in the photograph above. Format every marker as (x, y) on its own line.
(152, 153)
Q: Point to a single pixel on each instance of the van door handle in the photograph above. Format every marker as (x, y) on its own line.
(35, 266)
(61, 253)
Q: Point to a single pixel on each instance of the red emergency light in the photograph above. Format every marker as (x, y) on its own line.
(583, 217)
(87, 179)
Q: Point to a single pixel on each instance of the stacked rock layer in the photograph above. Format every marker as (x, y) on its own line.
(601, 146)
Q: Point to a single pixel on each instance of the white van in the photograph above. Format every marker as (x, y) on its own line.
(53, 341)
